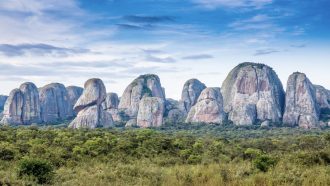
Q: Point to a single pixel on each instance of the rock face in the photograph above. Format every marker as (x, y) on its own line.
(22, 106)
(301, 105)
(2, 101)
(151, 111)
(145, 85)
(110, 104)
(12, 113)
(74, 93)
(209, 107)
(54, 103)
(322, 97)
(174, 112)
(253, 92)
(190, 93)
(111, 101)
(89, 108)
(31, 105)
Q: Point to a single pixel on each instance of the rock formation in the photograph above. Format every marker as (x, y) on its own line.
(74, 93)
(22, 106)
(89, 108)
(322, 97)
(253, 92)
(301, 105)
(110, 104)
(54, 103)
(209, 107)
(12, 113)
(190, 93)
(145, 85)
(151, 111)
(2, 101)
(174, 112)
(31, 105)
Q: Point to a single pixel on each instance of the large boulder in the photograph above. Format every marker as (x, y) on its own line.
(110, 104)
(2, 101)
(322, 97)
(190, 93)
(253, 92)
(209, 107)
(54, 103)
(89, 107)
(111, 101)
(301, 104)
(151, 111)
(145, 85)
(31, 104)
(12, 114)
(74, 93)
(22, 106)
(174, 112)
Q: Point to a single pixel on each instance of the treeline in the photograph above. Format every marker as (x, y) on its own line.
(195, 155)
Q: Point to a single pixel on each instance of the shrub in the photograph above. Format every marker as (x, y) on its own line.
(6, 153)
(39, 170)
(264, 162)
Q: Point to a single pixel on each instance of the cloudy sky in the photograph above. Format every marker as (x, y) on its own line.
(116, 40)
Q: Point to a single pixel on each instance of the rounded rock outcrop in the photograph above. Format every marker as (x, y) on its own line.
(209, 107)
(74, 93)
(3, 100)
(145, 85)
(90, 112)
(190, 93)
(253, 92)
(31, 104)
(22, 106)
(54, 103)
(12, 113)
(301, 104)
(151, 111)
(174, 112)
(322, 97)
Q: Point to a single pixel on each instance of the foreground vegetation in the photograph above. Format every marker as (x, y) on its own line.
(172, 155)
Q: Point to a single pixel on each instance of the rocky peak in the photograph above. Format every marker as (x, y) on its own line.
(190, 93)
(301, 103)
(252, 92)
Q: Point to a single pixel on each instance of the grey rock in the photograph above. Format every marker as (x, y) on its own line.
(131, 123)
(265, 124)
(190, 93)
(111, 101)
(12, 114)
(55, 104)
(209, 107)
(322, 97)
(151, 111)
(92, 117)
(253, 92)
(31, 105)
(74, 93)
(2, 101)
(301, 104)
(174, 112)
(144, 86)
(89, 108)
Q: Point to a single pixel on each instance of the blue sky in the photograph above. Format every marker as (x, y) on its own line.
(117, 40)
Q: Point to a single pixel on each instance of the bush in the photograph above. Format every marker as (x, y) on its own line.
(6, 153)
(264, 162)
(39, 170)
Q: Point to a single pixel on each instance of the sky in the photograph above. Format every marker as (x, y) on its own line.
(117, 40)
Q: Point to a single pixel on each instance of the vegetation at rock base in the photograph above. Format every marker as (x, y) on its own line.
(185, 154)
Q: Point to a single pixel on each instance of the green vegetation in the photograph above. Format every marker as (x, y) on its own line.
(183, 154)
